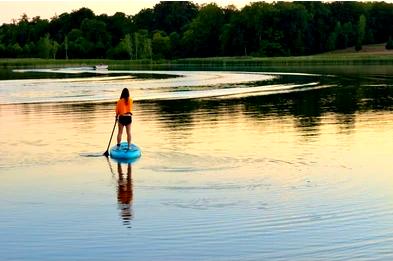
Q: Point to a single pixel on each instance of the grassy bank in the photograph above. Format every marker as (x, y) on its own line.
(370, 54)
(300, 60)
(37, 62)
(373, 54)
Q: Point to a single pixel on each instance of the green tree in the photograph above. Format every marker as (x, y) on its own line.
(272, 47)
(318, 35)
(74, 34)
(293, 19)
(380, 20)
(123, 51)
(15, 51)
(60, 26)
(136, 41)
(23, 30)
(161, 45)
(232, 38)
(2, 50)
(202, 35)
(361, 30)
(175, 44)
(142, 45)
(66, 46)
(127, 43)
(38, 28)
(148, 51)
(55, 49)
(345, 36)
(29, 49)
(76, 17)
(94, 31)
(78, 46)
(332, 42)
(248, 28)
(118, 26)
(172, 16)
(44, 47)
(389, 44)
(144, 19)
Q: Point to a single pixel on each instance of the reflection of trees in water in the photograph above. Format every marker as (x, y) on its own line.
(88, 111)
(379, 97)
(346, 103)
(307, 110)
(178, 112)
(361, 94)
(183, 114)
(305, 107)
(84, 110)
(348, 97)
(346, 122)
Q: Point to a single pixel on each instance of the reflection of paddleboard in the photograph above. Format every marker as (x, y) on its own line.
(123, 153)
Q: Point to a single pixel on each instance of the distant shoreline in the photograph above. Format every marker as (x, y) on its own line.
(204, 62)
(373, 54)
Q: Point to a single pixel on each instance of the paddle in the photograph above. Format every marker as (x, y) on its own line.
(106, 153)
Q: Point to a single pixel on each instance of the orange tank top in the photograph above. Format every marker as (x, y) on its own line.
(122, 107)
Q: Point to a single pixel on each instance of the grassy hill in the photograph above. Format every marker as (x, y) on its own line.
(372, 49)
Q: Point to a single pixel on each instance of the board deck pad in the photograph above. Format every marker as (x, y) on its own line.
(124, 153)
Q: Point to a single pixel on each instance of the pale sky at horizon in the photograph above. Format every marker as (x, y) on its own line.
(49, 8)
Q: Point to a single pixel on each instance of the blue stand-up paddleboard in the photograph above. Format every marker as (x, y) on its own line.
(123, 154)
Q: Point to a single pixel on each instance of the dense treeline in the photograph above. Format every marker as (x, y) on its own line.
(183, 29)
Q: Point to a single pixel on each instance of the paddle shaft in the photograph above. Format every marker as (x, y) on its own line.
(113, 130)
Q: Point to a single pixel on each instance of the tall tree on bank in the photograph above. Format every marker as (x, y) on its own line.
(361, 31)
(173, 16)
(201, 39)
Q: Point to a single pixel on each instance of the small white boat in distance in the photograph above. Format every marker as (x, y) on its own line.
(101, 67)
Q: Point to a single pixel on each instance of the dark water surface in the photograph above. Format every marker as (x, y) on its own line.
(272, 164)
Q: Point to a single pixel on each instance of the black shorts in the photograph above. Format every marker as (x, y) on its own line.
(125, 120)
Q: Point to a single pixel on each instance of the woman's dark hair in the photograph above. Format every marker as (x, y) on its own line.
(125, 94)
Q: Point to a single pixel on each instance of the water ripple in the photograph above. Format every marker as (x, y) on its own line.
(183, 85)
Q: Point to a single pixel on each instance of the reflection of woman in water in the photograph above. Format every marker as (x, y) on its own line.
(124, 193)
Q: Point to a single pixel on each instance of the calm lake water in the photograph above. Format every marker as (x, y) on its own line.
(255, 164)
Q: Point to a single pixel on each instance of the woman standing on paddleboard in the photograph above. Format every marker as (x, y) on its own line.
(124, 115)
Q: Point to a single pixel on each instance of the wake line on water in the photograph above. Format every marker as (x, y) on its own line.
(190, 85)
(71, 80)
(222, 93)
(237, 92)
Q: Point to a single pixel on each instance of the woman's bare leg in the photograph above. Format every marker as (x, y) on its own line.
(119, 133)
(128, 129)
